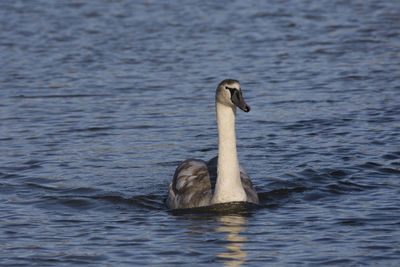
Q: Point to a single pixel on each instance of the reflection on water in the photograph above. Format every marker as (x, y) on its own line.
(233, 225)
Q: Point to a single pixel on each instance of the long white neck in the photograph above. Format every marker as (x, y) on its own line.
(228, 187)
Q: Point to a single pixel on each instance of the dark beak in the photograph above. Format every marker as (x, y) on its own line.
(238, 100)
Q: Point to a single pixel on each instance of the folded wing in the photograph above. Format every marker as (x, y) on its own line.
(190, 186)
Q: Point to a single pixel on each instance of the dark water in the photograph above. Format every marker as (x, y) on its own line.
(100, 100)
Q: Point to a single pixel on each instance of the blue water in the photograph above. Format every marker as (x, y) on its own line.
(101, 100)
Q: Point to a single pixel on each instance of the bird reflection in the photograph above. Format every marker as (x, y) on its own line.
(233, 225)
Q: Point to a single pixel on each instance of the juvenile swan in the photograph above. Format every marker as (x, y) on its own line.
(195, 180)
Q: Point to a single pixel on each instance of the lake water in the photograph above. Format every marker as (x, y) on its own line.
(101, 100)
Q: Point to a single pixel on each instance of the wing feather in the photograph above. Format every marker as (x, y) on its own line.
(190, 186)
(248, 186)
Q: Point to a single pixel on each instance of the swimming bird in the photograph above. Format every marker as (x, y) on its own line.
(197, 183)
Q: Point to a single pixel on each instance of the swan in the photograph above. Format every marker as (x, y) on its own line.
(195, 180)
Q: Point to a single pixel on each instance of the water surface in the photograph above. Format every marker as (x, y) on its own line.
(101, 100)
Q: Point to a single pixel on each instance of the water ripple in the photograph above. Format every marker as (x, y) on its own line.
(101, 100)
